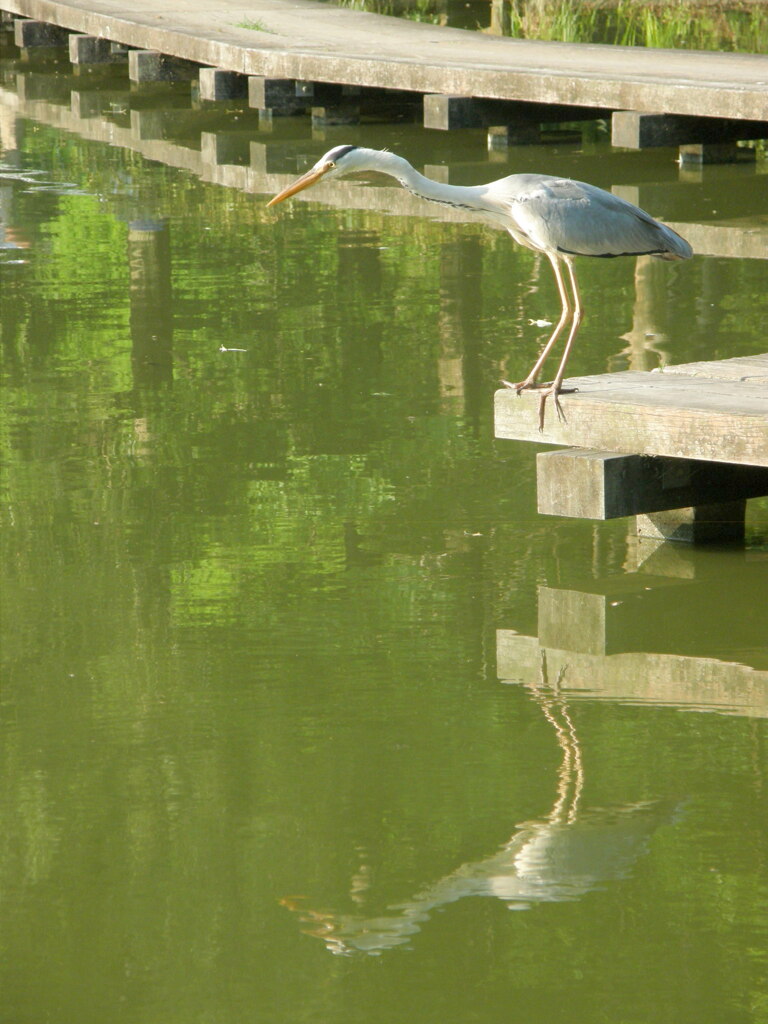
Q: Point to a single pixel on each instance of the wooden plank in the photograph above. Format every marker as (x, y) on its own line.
(306, 40)
(671, 413)
(752, 369)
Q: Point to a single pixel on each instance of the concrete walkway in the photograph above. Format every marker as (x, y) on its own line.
(302, 39)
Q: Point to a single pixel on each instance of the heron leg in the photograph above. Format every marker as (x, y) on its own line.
(566, 311)
(556, 388)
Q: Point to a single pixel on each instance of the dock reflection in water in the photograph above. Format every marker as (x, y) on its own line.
(657, 636)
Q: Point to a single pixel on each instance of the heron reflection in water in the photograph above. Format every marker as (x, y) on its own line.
(559, 217)
(562, 856)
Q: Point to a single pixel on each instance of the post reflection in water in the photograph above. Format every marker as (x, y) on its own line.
(562, 856)
(149, 261)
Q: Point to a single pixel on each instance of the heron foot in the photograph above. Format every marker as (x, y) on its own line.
(554, 392)
(526, 385)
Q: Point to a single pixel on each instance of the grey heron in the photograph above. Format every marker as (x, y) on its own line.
(559, 217)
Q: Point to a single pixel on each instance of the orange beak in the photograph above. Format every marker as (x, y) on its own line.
(300, 184)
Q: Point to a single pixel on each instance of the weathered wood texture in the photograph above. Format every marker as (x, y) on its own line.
(310, 41)
(710, 411)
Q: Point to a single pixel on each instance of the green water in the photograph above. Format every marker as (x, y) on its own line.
(307, 715)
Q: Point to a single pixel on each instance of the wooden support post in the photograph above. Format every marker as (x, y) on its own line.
(152, 66)
(632, 130)
(149, 263)
(281, 96)
(446, 113)
(28, 33)
(217, 85)
(94, 50)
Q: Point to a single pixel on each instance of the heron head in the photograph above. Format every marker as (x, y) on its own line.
(337, 161)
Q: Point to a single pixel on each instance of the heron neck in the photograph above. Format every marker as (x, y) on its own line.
(425, 188)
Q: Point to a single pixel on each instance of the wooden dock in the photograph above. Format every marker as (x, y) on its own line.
(682, 449)
(463, 78)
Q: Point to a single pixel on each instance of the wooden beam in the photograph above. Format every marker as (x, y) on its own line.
(604, 485)
(631, 129)
(446, 113)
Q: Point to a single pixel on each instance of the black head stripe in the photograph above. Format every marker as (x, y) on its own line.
(339, 151)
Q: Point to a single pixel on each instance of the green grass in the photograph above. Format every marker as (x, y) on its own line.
(735, 25)
(254, 25)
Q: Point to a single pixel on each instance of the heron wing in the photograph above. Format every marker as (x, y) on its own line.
(575, 218)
